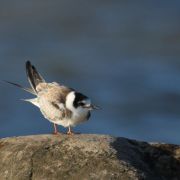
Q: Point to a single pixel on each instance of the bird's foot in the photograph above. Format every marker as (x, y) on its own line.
(70, 133)
(56, 133)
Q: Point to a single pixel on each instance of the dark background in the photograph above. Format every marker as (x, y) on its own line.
(123, 54)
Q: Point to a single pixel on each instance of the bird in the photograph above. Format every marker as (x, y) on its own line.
(59, 104)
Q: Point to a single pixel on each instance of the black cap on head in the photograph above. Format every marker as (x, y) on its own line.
(78, 98)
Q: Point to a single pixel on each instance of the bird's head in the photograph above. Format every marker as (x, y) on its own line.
(76, 100)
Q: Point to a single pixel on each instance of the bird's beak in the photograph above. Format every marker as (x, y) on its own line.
(91, 107)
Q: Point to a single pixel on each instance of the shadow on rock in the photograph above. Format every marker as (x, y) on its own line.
(154, 161)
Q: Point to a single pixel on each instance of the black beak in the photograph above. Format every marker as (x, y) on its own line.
(95, 107)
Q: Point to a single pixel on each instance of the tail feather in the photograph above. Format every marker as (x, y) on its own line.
(33, 76)
(33, 101)
(19, 86)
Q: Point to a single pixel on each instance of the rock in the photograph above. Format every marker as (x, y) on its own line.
(85, 157)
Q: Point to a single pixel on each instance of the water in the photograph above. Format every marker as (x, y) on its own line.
(124, 55)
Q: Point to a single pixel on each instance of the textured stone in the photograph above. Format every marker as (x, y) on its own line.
(58, 157)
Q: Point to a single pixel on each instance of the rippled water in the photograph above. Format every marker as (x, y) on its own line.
(125, 55)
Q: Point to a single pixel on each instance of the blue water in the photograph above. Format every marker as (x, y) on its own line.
(124, 55)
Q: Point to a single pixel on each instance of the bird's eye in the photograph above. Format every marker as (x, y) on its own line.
(81, 103)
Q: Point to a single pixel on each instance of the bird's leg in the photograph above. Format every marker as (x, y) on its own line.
(69, 131)
(55, 129)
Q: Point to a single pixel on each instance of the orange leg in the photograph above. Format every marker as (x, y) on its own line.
(69, 131)
(55, 129)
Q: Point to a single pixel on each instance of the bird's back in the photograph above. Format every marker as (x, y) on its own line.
(51, 97)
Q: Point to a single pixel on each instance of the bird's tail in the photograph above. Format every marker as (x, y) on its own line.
(33, 76)
(33, 101)
(19, 86)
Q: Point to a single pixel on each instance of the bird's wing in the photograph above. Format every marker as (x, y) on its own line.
(52, 100)
(34, 77)
(55, 92)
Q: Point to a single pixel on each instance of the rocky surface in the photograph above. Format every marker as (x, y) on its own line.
(81, 157)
